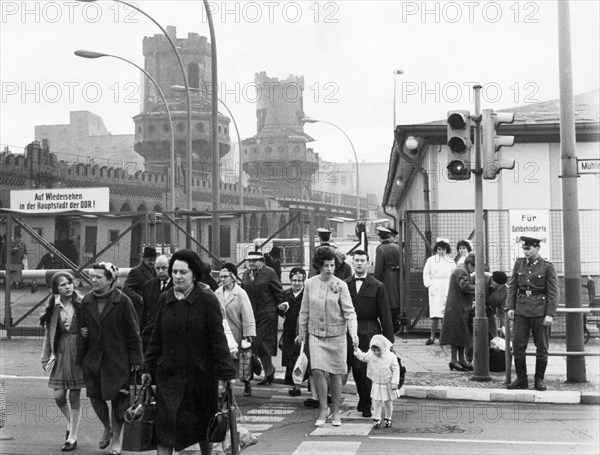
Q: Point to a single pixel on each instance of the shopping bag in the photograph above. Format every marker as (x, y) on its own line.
(219, 423)
(138, 428)
(245, 437)
(402, 372)
(256, 365)
(245, 365)
(300, 367)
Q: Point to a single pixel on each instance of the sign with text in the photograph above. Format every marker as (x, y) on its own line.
(534, 223)
(54, 200)
(588, 166)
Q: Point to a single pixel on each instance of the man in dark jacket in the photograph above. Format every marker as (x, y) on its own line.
(387, 270)
(152, 290)
(374, 318)
(266, 293)
(134, 284)
(531, 302)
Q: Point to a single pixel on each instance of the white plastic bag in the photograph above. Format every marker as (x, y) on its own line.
(300, 367)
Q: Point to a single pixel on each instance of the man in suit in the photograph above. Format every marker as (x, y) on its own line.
(152, 290)
(134, 284)
(266, 293)
(387, 270)
(374, 318)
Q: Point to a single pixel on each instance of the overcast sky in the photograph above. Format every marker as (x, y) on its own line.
(347, 52)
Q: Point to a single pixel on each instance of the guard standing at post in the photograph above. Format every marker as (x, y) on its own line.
(324, 237)
(387, 270)
(531, 303)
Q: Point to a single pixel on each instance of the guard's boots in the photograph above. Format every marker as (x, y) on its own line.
(540, 369)
(521, 381)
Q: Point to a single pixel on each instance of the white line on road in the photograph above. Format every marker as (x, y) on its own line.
(486, 441)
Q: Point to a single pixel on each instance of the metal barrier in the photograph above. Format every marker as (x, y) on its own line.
(508, 350)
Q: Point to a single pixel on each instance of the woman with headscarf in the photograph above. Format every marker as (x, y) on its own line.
(436, 277)
(187, 355)
(61, 321)
(237, 309)
(111, 350)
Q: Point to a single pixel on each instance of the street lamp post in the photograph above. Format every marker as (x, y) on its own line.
(312, 120)
(93, 54)
(216, 228)
(189, 113)
(396, 72)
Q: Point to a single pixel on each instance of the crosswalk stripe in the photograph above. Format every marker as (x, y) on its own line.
(346, 429)
(328, 447)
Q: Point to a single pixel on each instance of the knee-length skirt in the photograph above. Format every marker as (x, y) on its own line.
(328, 354)
(66, 374)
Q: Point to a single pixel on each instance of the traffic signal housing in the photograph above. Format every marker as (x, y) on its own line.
(492, 161)
(459, 145)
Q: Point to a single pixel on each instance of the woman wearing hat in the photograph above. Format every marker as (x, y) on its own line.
(436, 277)
(111, 349)
(237, 309)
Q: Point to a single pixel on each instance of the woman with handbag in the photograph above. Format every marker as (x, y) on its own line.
(111, 349)
(237, 310)
(186, 357)
(325, 316)
(290, 309)
(61, 320)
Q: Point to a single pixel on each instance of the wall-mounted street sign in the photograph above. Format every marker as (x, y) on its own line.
(588, 166)
(55, 200)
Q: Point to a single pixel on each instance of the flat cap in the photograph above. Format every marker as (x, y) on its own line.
(149, 252)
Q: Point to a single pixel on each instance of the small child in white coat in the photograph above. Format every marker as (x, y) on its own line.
(384, 372)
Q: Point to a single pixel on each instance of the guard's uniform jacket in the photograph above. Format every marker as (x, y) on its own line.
(533, 288)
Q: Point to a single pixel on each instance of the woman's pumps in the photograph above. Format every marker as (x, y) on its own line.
(466, 366)
(105, 440)
(456, 367)
(69, 446)
(295, 392)
(247, 389)
(268, 379)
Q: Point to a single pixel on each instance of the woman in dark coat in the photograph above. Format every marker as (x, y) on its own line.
(61, 321)
(289, 309)
(110, 350)
(459, 303)
(186, 356)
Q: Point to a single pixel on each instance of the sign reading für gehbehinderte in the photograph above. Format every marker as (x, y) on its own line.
(55, 200)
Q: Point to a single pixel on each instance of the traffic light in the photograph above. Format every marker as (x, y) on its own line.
(459, 143)
(491, 162)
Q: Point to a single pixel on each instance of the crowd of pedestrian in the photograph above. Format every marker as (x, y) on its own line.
(167, 327)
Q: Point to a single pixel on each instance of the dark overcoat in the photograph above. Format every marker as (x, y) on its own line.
(459, 303)
(112, 346)
(151, 293)
(265, 293)
(134, 285)
(387, 270)
(290, 350)
(372, 313)
(186, 356)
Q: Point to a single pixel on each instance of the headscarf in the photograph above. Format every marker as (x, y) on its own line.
(382, 343)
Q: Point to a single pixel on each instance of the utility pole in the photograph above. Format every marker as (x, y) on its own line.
(571, 249)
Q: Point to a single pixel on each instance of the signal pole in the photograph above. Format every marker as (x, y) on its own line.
(481, 354)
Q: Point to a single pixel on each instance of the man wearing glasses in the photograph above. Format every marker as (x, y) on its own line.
(531, 303)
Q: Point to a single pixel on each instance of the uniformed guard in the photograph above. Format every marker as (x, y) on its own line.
(531, 303)
(387, 270)
(324, 235)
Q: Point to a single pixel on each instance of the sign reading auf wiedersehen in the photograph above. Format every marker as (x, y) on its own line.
(588, 166)
(531, 223)
(55, 200)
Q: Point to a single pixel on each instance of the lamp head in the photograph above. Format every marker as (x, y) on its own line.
(89, 54)
(308, 120)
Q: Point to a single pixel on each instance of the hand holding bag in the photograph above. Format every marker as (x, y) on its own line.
(138, 431)
(300, 367)
(219, 423)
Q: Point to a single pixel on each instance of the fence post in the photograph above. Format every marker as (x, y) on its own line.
(507, 349)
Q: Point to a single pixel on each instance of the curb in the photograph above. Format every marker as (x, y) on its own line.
(500, 395)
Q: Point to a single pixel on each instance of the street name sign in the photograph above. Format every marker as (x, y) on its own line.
(588, 166)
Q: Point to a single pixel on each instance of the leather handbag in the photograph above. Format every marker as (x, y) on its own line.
(219, 423)
(138, 429)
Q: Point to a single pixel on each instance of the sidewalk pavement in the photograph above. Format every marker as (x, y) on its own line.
(428, 375)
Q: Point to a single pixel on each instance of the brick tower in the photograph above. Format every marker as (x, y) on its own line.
(152, 131)
(277, 157)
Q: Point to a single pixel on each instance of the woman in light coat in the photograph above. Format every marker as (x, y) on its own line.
(237, 309)
(326, 314)
(436, 277)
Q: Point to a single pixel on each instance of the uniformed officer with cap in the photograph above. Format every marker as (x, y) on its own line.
(531, 302)
(387, 270)
(324, 235)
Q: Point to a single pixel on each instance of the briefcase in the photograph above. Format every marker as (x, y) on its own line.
(138, 429)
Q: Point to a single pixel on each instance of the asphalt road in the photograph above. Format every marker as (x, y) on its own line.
(286, 426)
